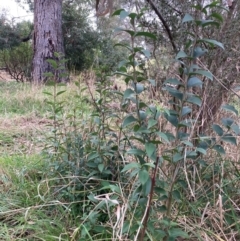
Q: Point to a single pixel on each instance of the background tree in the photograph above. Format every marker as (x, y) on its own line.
(48, 39)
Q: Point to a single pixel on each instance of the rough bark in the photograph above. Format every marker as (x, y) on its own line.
(47, 40)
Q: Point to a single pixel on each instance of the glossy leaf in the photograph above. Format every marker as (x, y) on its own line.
(235, 128)
(128, 120)
(142, 115)
(194, 100)
(150, 149)
(177, 232)
(211, 42)
(123, 14)
(61, 92)
(230, 108)
(152, 82)
(187, 18)
(194, 82)
(118, 12)
(219, 149)
(101, 167)
(146, 34)
(227, 122)
(218, 129)
(204, 73)
(198, 52)
(201, 150)
(143, 176)
(175, 93)
(163, 136)
(146, 188)
(172, 119)
(139, 88)
(173, 82)
(217, 16)
(181, 54)
(152, 122)
(229, 138)
(146, 53)
(137, 152)
(176, 195)
(132, 165)
(177, 157)
(188, 143)
(185, 110)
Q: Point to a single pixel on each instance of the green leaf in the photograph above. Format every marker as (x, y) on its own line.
(172, 119)
(193, 82)
(47, 93)
(118, 12)
(92, 156)
(139, 88)
(128, 121)
(123, 14)
(194, 100)
(163, 136)
(128, 93)
(174, 92)
(227, 122)
(188, 143)
(146, 34)
(187, 18)
(53, 63)
(211, 42)
(219, 149)
(185, 110)
(204, 73)
(202, 163)
(177, 157)
(132, 165)
(201, 150)
(235, 128)
(217, 129)
(61, 92)
(150, 149)
(173, 82)
(208, 22)
(130, 32)
(146, 53)
(181, 54)
(217, 16)
(198, 52)
(146, 188)
(142, 115)
(229, 138)
(137, 152)
(152, 122)
(101, 167)
(230, 108)
(143, 176)
(176, 195)
(152, 82)
(177, 232)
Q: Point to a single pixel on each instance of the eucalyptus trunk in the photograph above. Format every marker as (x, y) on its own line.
(48, 40)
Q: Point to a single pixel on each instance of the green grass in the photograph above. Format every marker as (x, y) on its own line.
(28, 210)
(24, 214)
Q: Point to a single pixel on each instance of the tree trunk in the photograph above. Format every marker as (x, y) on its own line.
(48, 39)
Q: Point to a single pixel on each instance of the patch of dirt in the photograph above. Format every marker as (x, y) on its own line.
(22, 134)
(4, 76)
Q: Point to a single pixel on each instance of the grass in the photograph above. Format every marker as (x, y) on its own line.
(32, 207)
(27, 210)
